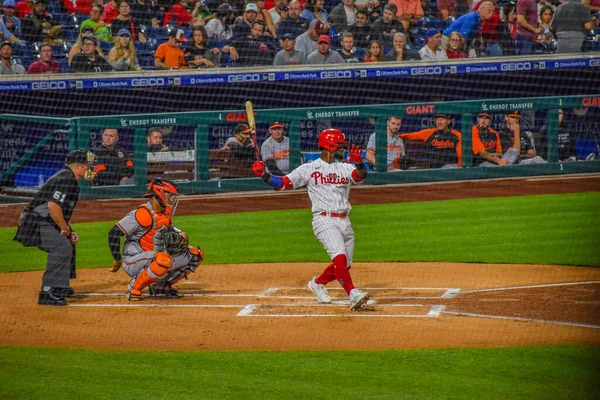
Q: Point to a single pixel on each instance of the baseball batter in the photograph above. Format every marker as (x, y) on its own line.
(328, 182)
(155, 254)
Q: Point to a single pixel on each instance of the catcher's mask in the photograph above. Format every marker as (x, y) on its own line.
(166, 193)
(81, 156)
(332, 139)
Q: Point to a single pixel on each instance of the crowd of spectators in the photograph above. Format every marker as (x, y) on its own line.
(128, 35)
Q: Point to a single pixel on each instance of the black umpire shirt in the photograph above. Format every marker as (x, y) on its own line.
(113, 165)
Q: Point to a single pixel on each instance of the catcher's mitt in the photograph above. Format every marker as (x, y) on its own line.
(174, 242)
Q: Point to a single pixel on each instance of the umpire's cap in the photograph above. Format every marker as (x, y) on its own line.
(79, 156)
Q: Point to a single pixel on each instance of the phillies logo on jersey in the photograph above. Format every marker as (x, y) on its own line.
(442, 144)
(331, 179)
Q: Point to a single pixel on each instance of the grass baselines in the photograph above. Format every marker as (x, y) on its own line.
(549, 372)
(547, 229)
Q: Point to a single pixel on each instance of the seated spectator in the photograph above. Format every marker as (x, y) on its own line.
(124, 21)
(360, 29)
(511, 137)
(444, 143)
(293, 24)
(197, 54)
(570, 22)
(179, 15)
(76, 48)
(254, 49)
(288, 55)
(220, 26)
(45, 65)
(432, 50)
(487, 149)
(24, 8)
(446, 8)
(6, 65)
(507, 29)
(240, 144)
(324, 54)
(347, 51)
(89, 60)
(307, 42)
(409, 12)
(77, 6)
(114, 166)
(395, 146)
(244, 26)
(469, 24)
(343, 15)
(313, 9)
(275, 151)
(100, 29)
(123, 56)
(8, 35)
(38, 27)
(111, 10)
(401, 51)
(279, 12)
(9, 19)
(145, 12)
(265, 17)
(155, 140)
(374, 52)
(169, 55)
(454, 49)
(384, 29)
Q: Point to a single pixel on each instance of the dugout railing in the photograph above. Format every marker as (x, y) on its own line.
(79, 130)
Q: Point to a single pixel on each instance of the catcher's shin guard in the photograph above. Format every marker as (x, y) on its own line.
(197, 256)
(156, 270)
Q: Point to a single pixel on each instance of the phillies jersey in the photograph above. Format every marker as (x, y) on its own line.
(328, 184)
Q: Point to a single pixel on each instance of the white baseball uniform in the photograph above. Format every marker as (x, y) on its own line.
(328, 189)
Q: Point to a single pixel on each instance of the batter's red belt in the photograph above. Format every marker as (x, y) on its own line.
(335, 215)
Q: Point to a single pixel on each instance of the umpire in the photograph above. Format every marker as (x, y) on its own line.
(45, 224)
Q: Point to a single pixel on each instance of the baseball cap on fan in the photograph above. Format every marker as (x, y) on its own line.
(9, 3)
(317, 26)
(178, 35)
(251, 7)
(324, 38)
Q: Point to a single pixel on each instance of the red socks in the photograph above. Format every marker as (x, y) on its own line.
(327, 276)
(337, 270)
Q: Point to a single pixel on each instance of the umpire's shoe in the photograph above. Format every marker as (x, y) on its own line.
(51, 297)
(67, 292)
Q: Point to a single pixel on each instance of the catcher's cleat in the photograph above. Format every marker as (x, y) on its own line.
(320, 291)
(164, 290)
(134, 295)
(357, 299)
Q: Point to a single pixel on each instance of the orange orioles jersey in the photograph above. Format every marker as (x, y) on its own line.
(488, 140)
(445, 147)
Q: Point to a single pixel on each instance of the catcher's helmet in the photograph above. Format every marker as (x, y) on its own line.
(331, 139)
(79, 156)
(165, 192)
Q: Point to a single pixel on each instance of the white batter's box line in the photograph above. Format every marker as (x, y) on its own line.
(250, 310)
(541, 321)
(146, 304)
(531, 286)
(377, 288)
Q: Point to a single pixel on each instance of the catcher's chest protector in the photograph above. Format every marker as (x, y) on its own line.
(158, 221)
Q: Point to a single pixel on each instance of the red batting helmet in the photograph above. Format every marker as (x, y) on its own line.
(165, 192)
(331, 139)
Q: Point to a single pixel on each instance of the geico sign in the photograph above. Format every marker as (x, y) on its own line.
(518, 66)
(426, 71)
(148, 82)
(49, 85)
(336, 74)
(244, 78)
(594, 63)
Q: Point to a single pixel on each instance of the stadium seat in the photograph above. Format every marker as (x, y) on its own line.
(65, 20)
(60, 50)
(71, 33)
(79, 19)
(146, 61)
(359, 51)
(64, 65)
(156, 33)
(105, 47)
(141, 48)
(23, 51)
(54, 8)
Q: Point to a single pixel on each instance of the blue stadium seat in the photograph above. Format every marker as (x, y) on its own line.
(146, 61)
(65, 20)
(60, 50)
(156, 33)
(216, 43)
(141, 48)
(79, 19)
(105, 47)
(64, 65)
(22, 51)
(54, 7)
(71, 33)
(359, 51)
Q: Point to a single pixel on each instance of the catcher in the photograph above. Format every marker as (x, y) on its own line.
(155, 253)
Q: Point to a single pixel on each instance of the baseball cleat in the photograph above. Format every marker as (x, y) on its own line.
(51, 298)
(134, 295)
(164, 290)
(320, 291)
(357, 299)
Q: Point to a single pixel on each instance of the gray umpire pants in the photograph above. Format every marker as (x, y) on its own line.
(60, 266)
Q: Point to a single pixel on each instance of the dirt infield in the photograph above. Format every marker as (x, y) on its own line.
(268, 306)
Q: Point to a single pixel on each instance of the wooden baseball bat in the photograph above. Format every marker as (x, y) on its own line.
(252, 125)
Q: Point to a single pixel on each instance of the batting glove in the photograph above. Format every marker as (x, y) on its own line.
(355, 154)
(258, 168)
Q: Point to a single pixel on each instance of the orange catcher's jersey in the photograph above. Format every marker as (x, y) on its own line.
(139, 227)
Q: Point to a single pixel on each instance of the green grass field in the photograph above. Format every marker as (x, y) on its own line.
(548, 229)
